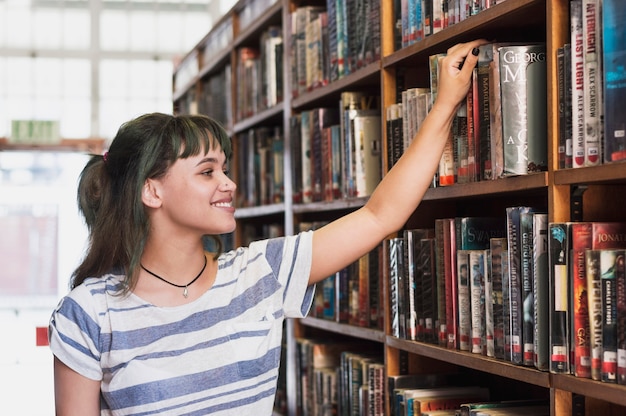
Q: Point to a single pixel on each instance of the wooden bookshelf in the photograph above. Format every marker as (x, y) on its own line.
(599, 190)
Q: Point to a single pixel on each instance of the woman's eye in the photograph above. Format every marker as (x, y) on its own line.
(208, 172)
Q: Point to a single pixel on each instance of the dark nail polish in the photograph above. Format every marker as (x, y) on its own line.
(475, 51)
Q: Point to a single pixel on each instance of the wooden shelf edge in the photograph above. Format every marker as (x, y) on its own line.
(473, 361)
(523, 183)
(605, 174)
(259, 118)
(345, 329)
(609, 392)
(259, 211)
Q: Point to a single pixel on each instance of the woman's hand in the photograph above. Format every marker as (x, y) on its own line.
(455, 73)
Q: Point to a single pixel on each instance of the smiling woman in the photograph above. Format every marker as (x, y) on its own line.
(127, 339)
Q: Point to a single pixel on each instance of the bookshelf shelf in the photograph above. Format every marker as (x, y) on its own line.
(271, 116)
(260, 211)
(603, 174)
(600, 188)
(368, 76)
(345, 329)
(612, 393)
(473, 361)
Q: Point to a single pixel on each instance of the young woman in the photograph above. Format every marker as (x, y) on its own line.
(156, 325)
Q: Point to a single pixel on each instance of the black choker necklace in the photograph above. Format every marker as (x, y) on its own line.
(184, 287)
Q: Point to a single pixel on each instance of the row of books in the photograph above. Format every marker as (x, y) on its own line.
(260, 172)
(417, 19)
(516, 288)
(591, 88)
(336, 151)
(501, 128)
(323, 50)
(260, 74)
(339, 378)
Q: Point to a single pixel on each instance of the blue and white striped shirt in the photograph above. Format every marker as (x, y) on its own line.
(217, 355)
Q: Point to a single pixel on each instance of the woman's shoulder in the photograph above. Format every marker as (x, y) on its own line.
(93, 292)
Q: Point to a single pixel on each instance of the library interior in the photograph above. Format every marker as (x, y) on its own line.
(458, 167)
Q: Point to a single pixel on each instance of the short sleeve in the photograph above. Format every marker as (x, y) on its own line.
(74, 335)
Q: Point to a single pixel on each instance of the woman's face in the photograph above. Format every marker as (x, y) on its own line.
(197, 195)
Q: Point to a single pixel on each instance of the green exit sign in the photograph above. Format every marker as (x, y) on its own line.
(35, 132)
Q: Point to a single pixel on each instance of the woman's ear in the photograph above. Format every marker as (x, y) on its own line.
(150, 195)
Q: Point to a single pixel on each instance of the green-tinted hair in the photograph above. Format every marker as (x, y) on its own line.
(110, 186)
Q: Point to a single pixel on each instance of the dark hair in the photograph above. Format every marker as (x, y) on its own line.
(110, 186)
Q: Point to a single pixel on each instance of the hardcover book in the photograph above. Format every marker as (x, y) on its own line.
(463, 293)
(478, 271)
(558, 245)
(611, 265)
(524, 123)
(592, 60)
(516, 306)
(614, 61)
(578, 83)
(499, 259)
(395, 250)
(541, 292)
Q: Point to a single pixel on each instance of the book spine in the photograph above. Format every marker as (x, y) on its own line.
(541, 292)
(613, 40)
(305, 148)
(495, 119)
(526, 273)
(485, 56)
(411, 279)
(488, 305)
(516, 307)
(477, 266)
(620, 283)
(450, 275)
(594, 295)
(560, 65)
(610, 260)
(463, 293)
(524, 123)
(440, 272)
(582, 239)
(367, 153)
(592, 58)
(558, 244)
(429, 288)
(396, 270)
(498, 250)
(578, 81)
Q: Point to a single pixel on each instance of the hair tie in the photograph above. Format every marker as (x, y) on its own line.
(105, 157)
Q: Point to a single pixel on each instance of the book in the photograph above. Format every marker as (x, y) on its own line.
(394, 248)
(614, 61)
(592, 64)
(620, 287)
(541, 292)
(526, 271)
(483, 116)
(611, 264)
(367, 139)
(478, 269)
(499, 258)
(463, 294)
(468, 409)
(582, 239)
(441, 397)
(578, 83)
(440, 277)
(429, 290)
(558, 246)
(524, 122)
(515, 265)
